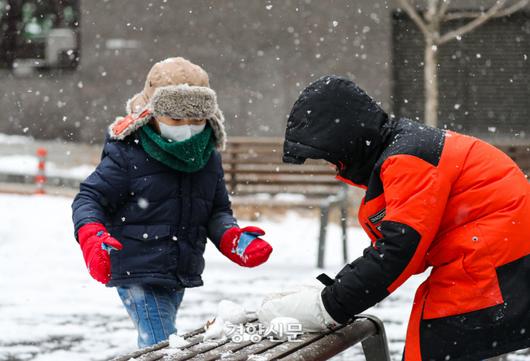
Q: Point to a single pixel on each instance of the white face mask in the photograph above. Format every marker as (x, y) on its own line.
(179, 133)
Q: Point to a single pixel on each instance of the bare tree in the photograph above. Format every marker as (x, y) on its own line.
(430, 21)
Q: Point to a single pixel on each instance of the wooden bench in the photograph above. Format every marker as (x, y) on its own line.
(368, 330)
(256, 177)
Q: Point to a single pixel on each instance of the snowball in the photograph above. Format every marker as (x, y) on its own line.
(176, 341)
(231, 312)
(228, 312)
(214, 330)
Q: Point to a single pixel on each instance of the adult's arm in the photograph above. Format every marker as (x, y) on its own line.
(416, 194)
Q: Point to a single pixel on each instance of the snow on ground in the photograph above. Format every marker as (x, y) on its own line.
(50, 308)
(27, 164)
(15, 139)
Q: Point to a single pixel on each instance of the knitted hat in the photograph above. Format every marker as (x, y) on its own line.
(177, 88)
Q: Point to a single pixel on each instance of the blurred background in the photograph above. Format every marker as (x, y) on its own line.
(67, 68)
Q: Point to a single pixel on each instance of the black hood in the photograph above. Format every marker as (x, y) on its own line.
(335, 120)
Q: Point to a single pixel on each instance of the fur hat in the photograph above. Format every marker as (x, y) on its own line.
(177, 88)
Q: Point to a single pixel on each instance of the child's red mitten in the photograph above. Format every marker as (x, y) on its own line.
(96, 244)
(244, 247)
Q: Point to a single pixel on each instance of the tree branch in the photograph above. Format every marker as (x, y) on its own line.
(473, 14)
(443, 8)
(409, 9)
(473, 24)
(432, 11)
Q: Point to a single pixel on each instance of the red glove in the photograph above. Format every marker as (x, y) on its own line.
(96, 244)
(242, 246)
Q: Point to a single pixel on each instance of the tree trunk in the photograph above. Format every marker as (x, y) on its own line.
(431, 83)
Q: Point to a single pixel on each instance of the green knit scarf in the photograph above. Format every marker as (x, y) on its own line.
(187, 156)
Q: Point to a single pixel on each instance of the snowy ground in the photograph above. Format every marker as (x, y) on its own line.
(50, 309)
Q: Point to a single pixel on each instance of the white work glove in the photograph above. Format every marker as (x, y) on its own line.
(304, 304)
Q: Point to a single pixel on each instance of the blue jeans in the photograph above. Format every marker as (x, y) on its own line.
(153, 310)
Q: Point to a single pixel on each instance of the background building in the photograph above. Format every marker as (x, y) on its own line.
(259, 54)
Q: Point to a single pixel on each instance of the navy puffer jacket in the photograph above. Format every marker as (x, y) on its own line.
(160, 215)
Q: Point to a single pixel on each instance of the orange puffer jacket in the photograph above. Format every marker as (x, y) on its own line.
(434, 200)
(471, 210)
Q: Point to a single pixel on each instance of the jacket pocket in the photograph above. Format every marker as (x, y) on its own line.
(146, 249)
(191, 262)
(468, 282)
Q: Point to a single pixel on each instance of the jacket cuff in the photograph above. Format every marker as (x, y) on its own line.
(226, 240)
(216, 230)
(332, 307)
(87, 230)
(78, 225)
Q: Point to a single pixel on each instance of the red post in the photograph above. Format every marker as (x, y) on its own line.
(40, 178)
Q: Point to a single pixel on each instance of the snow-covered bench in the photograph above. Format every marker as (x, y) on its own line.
(365, 329)
(257, 178)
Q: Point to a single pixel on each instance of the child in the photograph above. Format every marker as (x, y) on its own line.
(142, 217)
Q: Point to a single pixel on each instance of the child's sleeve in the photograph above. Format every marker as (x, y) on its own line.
(103, 190)
(222, 217)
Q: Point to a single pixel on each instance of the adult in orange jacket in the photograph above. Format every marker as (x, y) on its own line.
(434, 199)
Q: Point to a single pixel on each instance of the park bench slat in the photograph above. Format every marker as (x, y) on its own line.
(152, 356)
(274, 169)
(309, 164)
(195, 350)
(192, 337)
(313, 199)
(253, 349)
(317, 176)
(272, 175)
(312, 192)
(341, 339)
(241, 201)
(223, 350)
(199, 350)
(286, 348)
(280, 181)
(244, 349)
(253, 160)
(256, 140)
(287, 187)
(141, 352)
(265, 148)
(267, 158)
